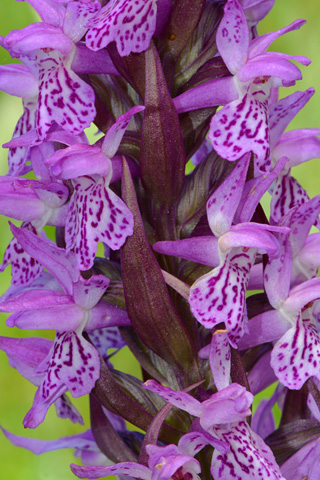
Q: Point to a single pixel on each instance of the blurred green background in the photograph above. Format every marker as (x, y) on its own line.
(16, 393)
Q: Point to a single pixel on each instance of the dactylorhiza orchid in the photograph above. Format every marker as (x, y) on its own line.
(215, 299)
(243, 124)
(72, 362)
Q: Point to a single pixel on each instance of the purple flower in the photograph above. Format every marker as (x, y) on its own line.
(170, 461)
(298, 145)
(73, 363)
(242, 124)
(222, 416)
(48, 50)
(95, 213)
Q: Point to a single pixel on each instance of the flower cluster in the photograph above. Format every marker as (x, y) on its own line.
(172, 191)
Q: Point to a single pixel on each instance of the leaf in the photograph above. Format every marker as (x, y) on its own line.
(162, 158)
(107, 438)
(183, 20)
(115, 399)
(149, 306)
(287, 440)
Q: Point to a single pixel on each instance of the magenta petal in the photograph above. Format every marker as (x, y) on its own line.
(38, 36)
(130, 24)
(265, 327)
(86, 61)
(65, 409)
(254, 190)
(241, 127)
(106, 315)
(18, 199)
(219, 91)
(60, 317)
(258, 382)
(168, 460)
(78, 160)
(252, 235)
(296, 356)
(191, 443)
(219, 358)
(74, 365)
(18, 156)
(308, 259)
(248, 458)
(75, 362)
(263, 419)
(62, 265)
(18, 80)
(260, 44)
(105, 338)
(233, 36)
(277, 273)
(299, 149)
(283, 111)
(302, 221)
(182, 400)
(115, 133)
(77, 16)
(256, 10)
(302, 294)
(34, 299)
(87, 292)
(219, 296)
(49, 12)
(197, 249)
(229, 405)
(80, 441)
(96, 214)
(64, 97)
(25, 354)
(24, 268)
(130, 469)
(269, 64)
(287, 193)
(223, 203)
(36, 415)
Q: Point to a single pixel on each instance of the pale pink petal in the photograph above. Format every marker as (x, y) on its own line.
(130, 24)
(260, 44)
(296, 356)
(96, 215)
(287, 193)
(179, 399)
(74, 365)
(64, 97)
(223, 203)
(219, 296)
(24, 268)
(241, 127)
(219, 355)
(77, 16)
(105, 338)
(65, 409)
(283, 111)
(18, 156)
(115, 133)
(249, 458)
(233, 36)
(87, 292)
